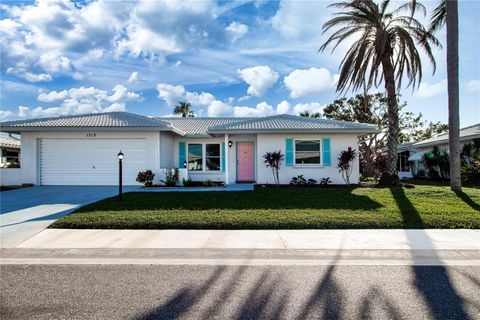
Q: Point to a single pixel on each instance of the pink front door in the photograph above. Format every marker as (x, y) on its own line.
(245, 171)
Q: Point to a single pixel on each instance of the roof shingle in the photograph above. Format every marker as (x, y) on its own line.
(6, 142)
(110, 119)
(286, 122)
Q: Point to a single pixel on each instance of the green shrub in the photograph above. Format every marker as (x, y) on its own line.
(470, 171)
(207, 183)
(146, 177)
(171, 177)
(187, 182)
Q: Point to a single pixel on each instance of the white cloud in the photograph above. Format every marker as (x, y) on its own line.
(133, 77)
(299, 18)
(473, 86)
(218, 108)
(259, 79)
(81, 100)
(427, 90)
(311, 81)
(52, 96)
(236, 30)
(31, 77)
(262, 109)
(312, 107)
(172, 94)
(283, 107)
(4, 115)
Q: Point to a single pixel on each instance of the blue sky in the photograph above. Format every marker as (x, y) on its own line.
(235, 58)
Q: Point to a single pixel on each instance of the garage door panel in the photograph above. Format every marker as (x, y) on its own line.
(90, 161)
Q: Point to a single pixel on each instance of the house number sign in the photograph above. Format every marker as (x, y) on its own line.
(91, 135)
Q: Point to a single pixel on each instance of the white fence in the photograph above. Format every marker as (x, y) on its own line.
(10, 176)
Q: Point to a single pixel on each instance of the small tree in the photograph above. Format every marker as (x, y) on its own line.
(345, 163)
(273, 160)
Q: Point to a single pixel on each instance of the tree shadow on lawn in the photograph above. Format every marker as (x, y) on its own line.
(433, 283)
(465, 198)
(271, 198)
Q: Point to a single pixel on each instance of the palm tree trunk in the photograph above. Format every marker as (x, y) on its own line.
(453, 95)
(392, 111)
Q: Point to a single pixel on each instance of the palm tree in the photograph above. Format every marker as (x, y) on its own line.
(307, 114)
(384, 50)
(184, 108)
(447, 13)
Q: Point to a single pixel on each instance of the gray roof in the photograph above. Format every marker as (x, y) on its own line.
(6, 142)
(194, 126)
(198, 126)
(467, 133)
(291, 123)
(108, 119)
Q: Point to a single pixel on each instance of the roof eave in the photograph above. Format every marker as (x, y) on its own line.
(69, 129)
(355, 131)
(444, 141)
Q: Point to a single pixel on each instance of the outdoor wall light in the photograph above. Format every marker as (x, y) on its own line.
(120, 158)
(185, 164)
(230, 143)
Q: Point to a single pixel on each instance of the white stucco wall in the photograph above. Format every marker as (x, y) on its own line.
(30, 172)
(167, 150)
(275, 142)
(10, 176)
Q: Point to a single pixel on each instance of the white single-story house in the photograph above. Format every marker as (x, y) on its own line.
(82, 149)
(410, 154)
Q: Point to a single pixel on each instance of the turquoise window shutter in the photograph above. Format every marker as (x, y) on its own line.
(223, 156)
(289, 152)
(182, 154)
(327, 161)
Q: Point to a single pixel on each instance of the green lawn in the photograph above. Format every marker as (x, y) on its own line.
(285, 208)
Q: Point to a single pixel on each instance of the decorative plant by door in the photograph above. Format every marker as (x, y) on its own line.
(274, 160)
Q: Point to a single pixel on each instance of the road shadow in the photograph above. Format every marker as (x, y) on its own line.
(432, 282)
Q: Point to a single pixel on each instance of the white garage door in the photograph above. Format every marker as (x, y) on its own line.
(90, 161)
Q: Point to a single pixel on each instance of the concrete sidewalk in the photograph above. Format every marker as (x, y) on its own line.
(395, 239)
(248, 247)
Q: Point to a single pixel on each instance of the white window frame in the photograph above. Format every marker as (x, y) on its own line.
(204, 157)
(295, 164)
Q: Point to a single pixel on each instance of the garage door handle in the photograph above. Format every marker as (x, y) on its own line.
(93, 167)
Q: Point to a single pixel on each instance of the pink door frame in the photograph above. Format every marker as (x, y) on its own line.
(245, 164)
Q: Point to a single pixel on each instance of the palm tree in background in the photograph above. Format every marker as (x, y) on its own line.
(184, 108)
(385, 49)
(447, 13)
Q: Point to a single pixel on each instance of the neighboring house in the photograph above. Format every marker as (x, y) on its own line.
(410, 154)
(10, 152)
(82, 149)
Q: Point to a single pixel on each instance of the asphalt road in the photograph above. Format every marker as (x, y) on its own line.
(238, 292)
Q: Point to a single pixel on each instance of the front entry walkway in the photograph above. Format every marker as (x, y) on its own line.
(25, 212)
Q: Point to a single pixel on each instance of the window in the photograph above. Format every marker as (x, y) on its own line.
(10, 158)
(403, 165)
(307, 152)
(204, 157)
(212, 162)
(195, 155)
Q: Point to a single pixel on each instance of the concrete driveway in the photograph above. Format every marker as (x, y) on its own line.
(25, 212)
